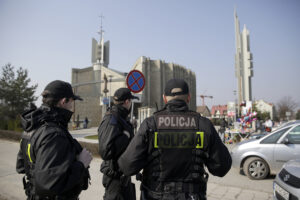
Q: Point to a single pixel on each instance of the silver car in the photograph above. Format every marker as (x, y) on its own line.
(258, 158)
(287, 183)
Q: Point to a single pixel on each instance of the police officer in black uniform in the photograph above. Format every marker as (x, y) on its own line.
(54, 163)
(223, 126)
(115, 133)
(172, 147)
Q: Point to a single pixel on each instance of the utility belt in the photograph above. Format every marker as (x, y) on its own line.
(35, 197)
(174, 187)
(28, 187)
(124, 180)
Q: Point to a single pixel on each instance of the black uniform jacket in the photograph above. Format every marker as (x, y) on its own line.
(115, 133)
(135, 157)
(56, 170)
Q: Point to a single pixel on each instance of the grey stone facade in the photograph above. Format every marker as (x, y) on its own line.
(157, 73)
(89, 84)
(90, 106)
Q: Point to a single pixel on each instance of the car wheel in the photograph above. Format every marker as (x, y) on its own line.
(256, 168)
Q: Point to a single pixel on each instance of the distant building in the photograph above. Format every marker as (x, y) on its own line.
(96, 84)
(219, 111)
(93, 93)
(157, 74)
(263, 106)
(204, 111)
(243, 62)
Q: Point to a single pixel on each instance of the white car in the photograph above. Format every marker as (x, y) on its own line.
(260, 157)
(287, 183)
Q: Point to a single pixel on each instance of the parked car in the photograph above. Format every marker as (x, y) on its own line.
(287, 182)
(286, 123)
(258, 158)
(257, 135)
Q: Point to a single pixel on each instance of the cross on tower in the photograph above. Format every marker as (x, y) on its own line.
(101, 27)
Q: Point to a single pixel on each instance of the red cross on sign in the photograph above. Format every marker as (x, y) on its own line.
(135, 81)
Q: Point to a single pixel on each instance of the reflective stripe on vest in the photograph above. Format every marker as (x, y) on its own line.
(183, 139)
(28, 152)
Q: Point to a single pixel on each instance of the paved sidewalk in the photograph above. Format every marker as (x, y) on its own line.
(11, 183)
(215, 191)
(81, 133)
(221, 192)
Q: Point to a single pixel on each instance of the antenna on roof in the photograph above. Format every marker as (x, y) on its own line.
(101, 27)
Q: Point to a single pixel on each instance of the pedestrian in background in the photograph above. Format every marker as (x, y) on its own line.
(172, 147)
(257, 125)
(85, 122)
(268, 125)
(223, 126)
(115, 133)
(54, 163)
(134, 124)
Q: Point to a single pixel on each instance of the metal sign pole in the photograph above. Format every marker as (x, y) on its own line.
(131, 114)
(135, 82)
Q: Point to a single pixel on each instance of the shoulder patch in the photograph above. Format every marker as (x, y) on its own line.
(113, 120)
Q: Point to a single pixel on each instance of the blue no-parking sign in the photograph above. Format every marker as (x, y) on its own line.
(105, 101)
(135, 81)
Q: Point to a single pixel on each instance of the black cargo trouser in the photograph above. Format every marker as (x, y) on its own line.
(174, 191)
(33, 197)
(118, 188)
(145, 195)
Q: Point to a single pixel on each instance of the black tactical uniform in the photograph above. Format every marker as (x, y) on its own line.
(172, 147)
(115, 133)
(47, 156)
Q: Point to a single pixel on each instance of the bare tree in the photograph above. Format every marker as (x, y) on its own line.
(286, 104)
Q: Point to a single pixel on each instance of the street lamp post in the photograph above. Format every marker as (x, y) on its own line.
(110, 79)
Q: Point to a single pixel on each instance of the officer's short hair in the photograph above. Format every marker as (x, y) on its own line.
(121, 95)
(49, 100)
(176, 89)
(56, 90)
(179, 97)
(118, 102)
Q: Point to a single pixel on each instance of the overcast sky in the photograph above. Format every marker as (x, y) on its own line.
(49, 38)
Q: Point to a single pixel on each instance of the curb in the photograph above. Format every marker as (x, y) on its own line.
(16, 136)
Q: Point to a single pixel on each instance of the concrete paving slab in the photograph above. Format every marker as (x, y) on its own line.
(11, 183)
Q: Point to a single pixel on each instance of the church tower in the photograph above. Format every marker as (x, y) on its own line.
(243, 62)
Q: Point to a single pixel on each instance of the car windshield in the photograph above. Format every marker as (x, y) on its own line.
(272, 139)
(289, 123)
(294, 135)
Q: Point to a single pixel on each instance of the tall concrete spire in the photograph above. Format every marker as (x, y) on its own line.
(243, 62)
(101, 42)
(238, 69)
(100, 59)
(100, 51)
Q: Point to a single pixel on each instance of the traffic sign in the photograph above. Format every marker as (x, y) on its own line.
(105, 101)
(135, 81)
